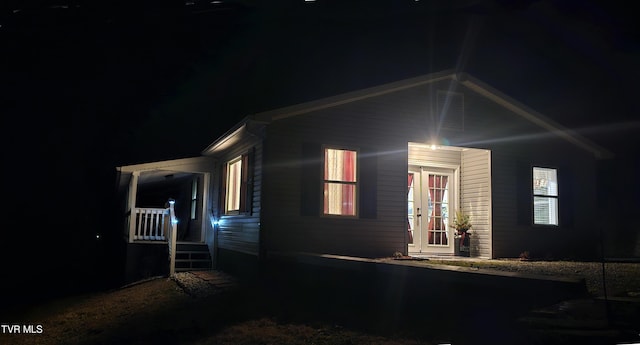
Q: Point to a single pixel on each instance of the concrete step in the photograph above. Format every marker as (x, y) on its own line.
(192, 257)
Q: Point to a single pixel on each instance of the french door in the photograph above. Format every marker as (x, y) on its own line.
(431, 201)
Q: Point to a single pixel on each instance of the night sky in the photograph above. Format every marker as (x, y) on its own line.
(91, 85)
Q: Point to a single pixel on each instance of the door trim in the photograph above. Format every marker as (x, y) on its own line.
(418, 245)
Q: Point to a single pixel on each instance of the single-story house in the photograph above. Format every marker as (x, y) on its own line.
(370, 173)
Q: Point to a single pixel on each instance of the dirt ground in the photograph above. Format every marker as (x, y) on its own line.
(160, 312)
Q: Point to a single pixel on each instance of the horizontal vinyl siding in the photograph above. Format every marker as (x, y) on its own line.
(364, 127)
(475, 198)
(511, 235)
(425, 156)
(241, 233)
(257, 182)
(504, 171)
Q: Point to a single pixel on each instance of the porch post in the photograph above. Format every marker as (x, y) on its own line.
(131, 203)
(173, 239)
(205, 206)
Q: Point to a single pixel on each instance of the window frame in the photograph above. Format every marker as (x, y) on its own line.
(245, 189)
(227, 187)
(356, 184)
(534, 195)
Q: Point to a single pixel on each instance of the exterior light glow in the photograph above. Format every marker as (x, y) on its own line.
(433, 147)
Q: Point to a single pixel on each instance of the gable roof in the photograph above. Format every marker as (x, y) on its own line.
(465, 79)
(531, 115)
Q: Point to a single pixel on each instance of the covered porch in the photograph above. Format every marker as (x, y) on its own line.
(165, 219)
(443, 180)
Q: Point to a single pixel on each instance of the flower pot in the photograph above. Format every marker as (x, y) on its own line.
(462, 245)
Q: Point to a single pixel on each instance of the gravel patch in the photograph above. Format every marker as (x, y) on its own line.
(622, 278)
(199, 284)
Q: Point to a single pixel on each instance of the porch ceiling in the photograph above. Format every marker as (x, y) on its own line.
(152, 176)
(160, 175)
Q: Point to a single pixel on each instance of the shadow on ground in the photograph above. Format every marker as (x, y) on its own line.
(438, 306)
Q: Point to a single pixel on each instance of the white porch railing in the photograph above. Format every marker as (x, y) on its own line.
(155, 225)
(150, 224)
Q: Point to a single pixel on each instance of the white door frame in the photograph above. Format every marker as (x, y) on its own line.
(420, 223)
(414, 246)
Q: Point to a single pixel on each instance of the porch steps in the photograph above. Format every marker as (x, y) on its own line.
(192, 257)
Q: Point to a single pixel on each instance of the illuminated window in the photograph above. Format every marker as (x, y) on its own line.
(236, 187)
(340, 182)
(545, 196)
(234, 181)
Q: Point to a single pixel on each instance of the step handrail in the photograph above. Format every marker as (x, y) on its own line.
(173, 231)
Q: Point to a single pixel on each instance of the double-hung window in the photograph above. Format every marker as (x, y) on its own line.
(340, 182)
(236, 184)
(545, 196)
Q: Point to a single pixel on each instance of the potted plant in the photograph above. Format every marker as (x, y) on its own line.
(462, 224)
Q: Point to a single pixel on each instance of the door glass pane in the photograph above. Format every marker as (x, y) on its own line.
(438, 213)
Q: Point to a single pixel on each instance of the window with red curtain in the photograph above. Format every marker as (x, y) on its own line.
(340, 182)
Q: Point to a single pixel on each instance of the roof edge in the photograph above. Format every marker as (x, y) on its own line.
(533, 116)
(353, 96)
(228, 134)
(159, 165)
